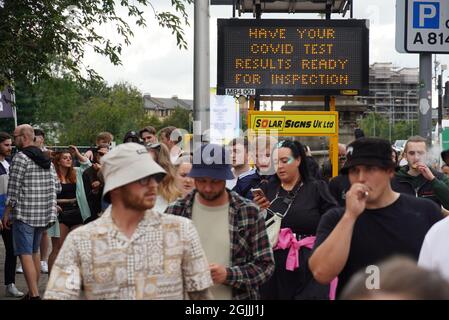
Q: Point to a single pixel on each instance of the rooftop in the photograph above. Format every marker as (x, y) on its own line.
(156, 103)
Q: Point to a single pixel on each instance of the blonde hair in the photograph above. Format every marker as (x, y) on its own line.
(167, 187)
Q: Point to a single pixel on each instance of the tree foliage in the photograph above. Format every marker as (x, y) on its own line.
(71, 112)
(120, 111)
(377, 125)
(74, 113)
(43, 38)
(151, 121)
(180, 118)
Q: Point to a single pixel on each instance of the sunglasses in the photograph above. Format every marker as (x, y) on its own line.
(144, 181)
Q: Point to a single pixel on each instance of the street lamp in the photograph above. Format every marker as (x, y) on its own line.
(389, 127)
(408, 109)
(440, 98)
(384, 110)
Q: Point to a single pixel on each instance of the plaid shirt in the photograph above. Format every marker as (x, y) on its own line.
(32, 192)
(252, 261)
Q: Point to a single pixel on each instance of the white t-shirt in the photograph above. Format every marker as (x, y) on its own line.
(175, 153)
(161, 204)
(434, 253)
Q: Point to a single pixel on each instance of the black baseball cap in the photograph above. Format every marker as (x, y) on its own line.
(445, 154)
(211, 161)
(132, 136)
(368, 152)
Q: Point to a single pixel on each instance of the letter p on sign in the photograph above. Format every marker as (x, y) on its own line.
(426, 15)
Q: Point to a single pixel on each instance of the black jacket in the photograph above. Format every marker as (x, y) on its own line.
(314, 168)
(436, 190)
(244, 185)
(39, 158)
(93, 199)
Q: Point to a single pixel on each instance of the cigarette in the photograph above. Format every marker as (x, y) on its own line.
(365, 194)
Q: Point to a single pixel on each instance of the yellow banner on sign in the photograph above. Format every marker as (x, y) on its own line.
(295, 123)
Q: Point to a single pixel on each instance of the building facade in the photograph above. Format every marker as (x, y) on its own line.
(164, 107)
(393, 92)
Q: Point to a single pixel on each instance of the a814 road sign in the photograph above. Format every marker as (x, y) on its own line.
(422, 26)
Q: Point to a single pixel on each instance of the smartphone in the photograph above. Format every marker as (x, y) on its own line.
(257, 192)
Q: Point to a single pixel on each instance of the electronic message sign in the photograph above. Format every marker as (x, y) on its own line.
(292, 57)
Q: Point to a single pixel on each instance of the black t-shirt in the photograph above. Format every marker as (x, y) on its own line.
(398, 229)
(68, 191)
(310, 202)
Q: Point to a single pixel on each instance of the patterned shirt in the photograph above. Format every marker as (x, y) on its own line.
(32, 192)
(252, 261)
(163, 259)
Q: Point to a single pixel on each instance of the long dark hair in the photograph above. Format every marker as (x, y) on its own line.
(71, 173)
(297, 150)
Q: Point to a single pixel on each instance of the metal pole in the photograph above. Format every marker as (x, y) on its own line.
(389, 121)
(440, 102)
(352, 9)
(425, 96)
(328, 11)
(13, 106)
(408, 108)
(201, 63)
(389, 131)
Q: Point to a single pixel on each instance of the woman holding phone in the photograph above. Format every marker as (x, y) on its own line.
(301, 200)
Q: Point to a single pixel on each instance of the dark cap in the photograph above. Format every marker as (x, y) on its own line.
(358, 133)
(39, 132)
(132, 136)
(444, 155)
(211, 161)
(368, 152)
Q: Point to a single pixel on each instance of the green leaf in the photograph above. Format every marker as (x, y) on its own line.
(40, 36)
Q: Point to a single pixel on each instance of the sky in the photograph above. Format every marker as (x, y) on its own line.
(155, 65)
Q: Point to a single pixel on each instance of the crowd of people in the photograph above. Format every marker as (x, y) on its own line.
(149, 220)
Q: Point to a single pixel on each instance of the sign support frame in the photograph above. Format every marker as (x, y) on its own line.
(333, 138)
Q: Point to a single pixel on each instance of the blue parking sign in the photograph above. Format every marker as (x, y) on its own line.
(426, 15)
(422, 26)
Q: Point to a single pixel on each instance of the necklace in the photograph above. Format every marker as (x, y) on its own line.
(284, 186)
(287, 199)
